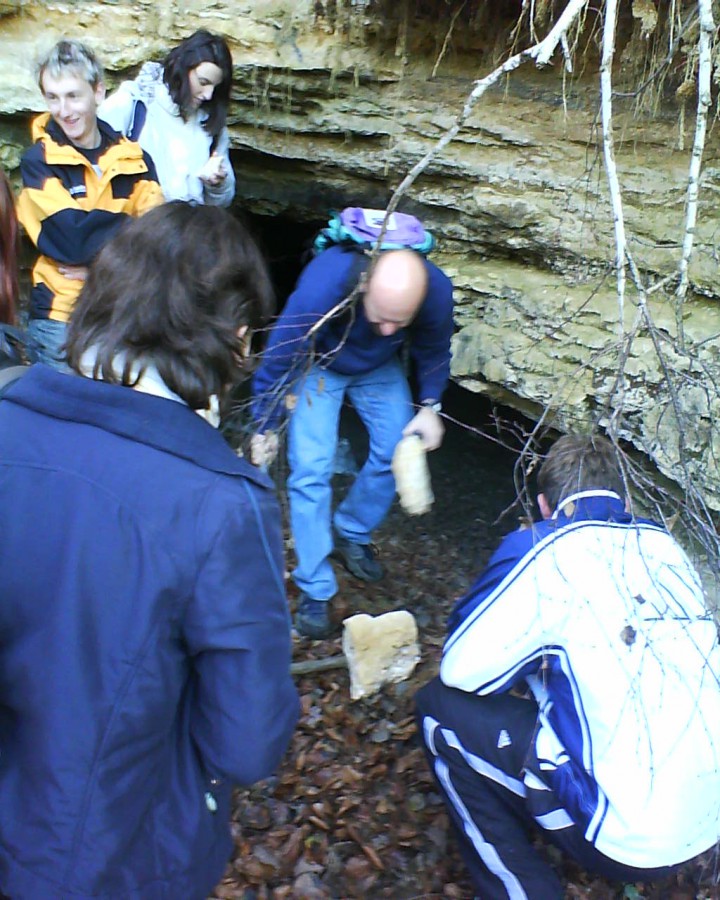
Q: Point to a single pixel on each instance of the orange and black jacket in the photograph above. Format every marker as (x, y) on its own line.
(70, 210)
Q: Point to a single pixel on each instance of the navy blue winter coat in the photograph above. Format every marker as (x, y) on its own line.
(144, 642)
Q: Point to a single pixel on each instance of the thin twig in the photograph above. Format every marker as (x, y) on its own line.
(448, 35)
(308, 666)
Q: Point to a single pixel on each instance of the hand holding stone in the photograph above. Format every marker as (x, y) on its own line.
(428, 424)
(263, 449)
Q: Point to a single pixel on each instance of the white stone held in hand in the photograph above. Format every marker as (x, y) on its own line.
(412, 476)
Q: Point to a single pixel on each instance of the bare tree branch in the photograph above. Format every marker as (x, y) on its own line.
(707, 29)
(540, 52)
(608, 54)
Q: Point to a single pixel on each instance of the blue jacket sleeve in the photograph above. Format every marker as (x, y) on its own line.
(238, 636)
(431, 333)
(321, 285)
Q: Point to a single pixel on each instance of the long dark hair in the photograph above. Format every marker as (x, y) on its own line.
(172, 289)
(203, 46)
(8, 252)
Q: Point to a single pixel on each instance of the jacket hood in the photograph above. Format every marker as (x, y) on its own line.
(164, 424)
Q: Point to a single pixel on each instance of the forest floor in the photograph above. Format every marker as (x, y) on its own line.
(353, 811)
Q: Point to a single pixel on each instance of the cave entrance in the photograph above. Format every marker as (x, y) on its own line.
(286, 245)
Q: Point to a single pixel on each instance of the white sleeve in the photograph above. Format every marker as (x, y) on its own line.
(117, 109)
(493, 648)
(222, 194)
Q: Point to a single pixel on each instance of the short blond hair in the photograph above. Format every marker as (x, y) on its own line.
(71, 56)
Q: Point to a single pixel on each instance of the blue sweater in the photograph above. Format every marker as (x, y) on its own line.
(347, 343)
(144, 642)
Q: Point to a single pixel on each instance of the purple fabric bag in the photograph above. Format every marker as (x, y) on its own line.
(361, 226)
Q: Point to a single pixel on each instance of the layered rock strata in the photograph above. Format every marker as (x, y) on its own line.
(331, 109)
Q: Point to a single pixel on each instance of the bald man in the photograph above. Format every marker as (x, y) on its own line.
(317, 356)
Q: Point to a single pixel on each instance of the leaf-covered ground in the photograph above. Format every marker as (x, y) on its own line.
(353, 812)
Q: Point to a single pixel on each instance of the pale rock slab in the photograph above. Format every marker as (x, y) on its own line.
(379, 650)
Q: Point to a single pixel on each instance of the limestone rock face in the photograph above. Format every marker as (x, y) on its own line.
(333, 103)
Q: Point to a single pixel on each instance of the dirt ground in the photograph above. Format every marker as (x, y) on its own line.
(353, 812)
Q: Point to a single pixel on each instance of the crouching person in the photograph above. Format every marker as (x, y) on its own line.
(145, 636)
(600, 618)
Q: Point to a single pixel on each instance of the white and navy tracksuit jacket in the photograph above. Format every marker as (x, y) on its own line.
(603, 618)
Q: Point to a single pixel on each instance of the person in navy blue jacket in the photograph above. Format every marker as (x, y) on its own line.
(321, 351)
(600, 619)
(144, 628)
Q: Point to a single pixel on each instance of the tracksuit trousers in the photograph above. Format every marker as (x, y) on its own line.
(480, 750)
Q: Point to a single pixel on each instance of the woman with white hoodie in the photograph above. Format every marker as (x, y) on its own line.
(176, 111)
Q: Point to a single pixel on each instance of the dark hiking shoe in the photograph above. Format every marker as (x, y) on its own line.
(358, 559)
(312, 619)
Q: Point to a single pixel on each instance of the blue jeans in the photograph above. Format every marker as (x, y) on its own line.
(382, 400)
(48, 337)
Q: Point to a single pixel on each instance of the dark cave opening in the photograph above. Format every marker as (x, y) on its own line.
(286, 245)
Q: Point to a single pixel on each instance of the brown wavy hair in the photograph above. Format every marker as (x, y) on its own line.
(8, 252)
(172, 289)
(580, 463)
